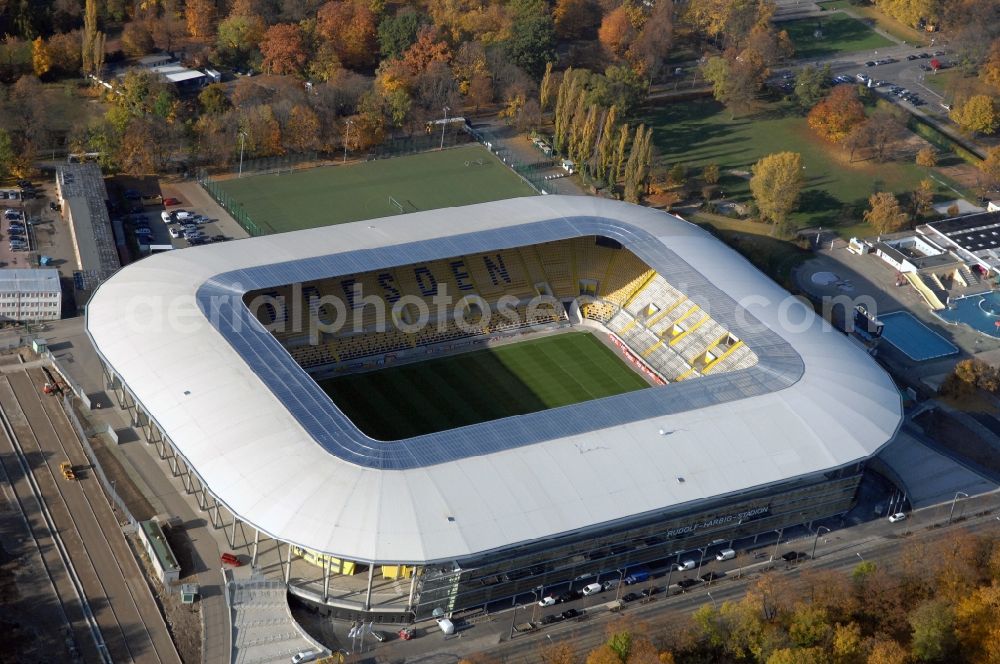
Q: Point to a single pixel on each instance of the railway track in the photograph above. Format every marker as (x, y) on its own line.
(131, 628)
(25, 495)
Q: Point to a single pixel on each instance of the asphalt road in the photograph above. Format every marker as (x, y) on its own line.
(130, 624)
(878, 541)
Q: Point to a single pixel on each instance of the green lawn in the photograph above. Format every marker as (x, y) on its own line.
(871, 14)
(339, 194)
(841, 34)
(699, 132)
(534, 375)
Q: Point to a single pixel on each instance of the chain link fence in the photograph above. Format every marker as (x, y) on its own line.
(531, 173)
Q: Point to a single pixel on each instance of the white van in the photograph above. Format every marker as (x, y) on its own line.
(165, 216)
(592, 589)
(447, 626)
(304, 656)
(685, 565)
(725, 554)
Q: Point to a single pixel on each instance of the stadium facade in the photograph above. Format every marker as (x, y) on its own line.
(759, 416)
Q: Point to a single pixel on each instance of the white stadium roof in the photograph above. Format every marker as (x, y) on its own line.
(275, 451)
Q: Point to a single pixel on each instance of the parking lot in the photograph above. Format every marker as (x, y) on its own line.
(151, 222)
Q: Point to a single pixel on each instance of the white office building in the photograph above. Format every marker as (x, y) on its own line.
(30, 295)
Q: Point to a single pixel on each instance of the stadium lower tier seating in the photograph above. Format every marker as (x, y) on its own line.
(378, 311)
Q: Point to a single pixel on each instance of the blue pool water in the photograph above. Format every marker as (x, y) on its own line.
(915, 339)
(980, 312)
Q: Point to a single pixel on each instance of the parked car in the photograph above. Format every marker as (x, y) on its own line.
(571, 613)
(174, 232)
(171, 201)
(649, 592)
(552, 618)
(304, 656)
(898, 516)
(912, 56)
(568, 596)
(870, 63)
(687, 583)
(592, 589)
(685, 565)
(548, 600)
(630, 597)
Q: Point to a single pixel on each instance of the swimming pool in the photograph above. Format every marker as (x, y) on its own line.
(913, 338)
(981, 312)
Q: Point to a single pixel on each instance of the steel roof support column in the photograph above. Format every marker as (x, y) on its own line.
(232, 533)
(326, 579)
(413, 588)
(187, 480)
(368, 593)
(215, 516)
(256, 543)
(202, 498)
(288, 563)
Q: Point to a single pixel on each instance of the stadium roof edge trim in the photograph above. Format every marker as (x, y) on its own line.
(266, 441)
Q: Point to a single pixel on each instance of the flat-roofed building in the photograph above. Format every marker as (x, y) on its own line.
(30, 294)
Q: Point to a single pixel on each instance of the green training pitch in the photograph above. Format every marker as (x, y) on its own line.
(339, 194)
(436, 395)
(840, 34)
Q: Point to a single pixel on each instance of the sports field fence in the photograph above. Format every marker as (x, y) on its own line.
(532, 173)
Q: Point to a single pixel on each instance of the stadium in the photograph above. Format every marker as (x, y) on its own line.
(436, 411)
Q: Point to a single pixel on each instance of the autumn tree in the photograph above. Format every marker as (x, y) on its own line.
(990, 166)
(910, 12)
(7, 154)
(621, 144)
(91, 37)
(606, 145)
(200, 15)
(603, 654)
(922, 198)
(65, 51)
(616, 32)
(887, 651)
(238, 38)
(41, 59)
(575, 19)
(776, 184)
(638, 167)
(559, 652)
(729, 21)
(350, 26)
(283, 48)
(650, 48)
(926, 157)
(989, 71)
(976, 115)
(137, 40)
(884, 213)
(838, 113)
(735, 82)
(302, 130)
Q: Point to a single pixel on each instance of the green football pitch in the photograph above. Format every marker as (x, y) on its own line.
(414, 399)
(381, 188)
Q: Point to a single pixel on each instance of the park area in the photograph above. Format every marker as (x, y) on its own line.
(700, 132)
(525, 377)
(277, 203)
(838, 33)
